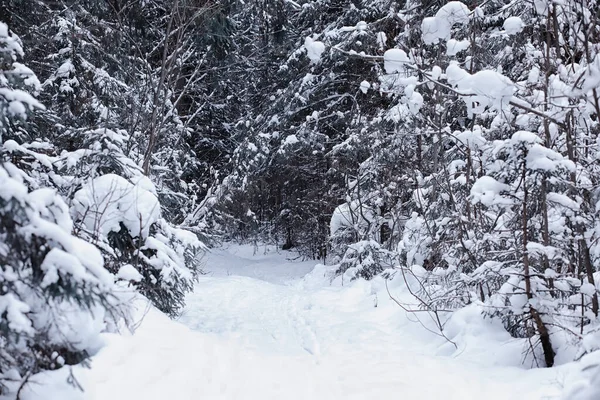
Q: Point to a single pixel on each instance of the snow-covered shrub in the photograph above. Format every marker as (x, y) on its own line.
(140, 246)
(349, 223)
(71, 186)
(94, 137)
(55, 294)
(364, 259)
(117, 208)
(56, 297)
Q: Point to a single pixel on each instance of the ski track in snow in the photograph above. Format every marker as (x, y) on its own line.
(253, 329)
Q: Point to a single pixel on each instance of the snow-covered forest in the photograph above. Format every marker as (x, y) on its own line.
(436, 160)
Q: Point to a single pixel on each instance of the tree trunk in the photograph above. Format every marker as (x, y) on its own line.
(537, 319)
(589, 271)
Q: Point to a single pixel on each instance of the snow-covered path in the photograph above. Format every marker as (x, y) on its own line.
(344, 346)
(254, 329)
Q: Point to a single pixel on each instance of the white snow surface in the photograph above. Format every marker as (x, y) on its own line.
(262, 326)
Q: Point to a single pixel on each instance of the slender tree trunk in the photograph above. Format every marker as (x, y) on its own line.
(541, 328)
(589, 271)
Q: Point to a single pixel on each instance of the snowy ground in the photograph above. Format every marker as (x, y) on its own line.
(258, 327)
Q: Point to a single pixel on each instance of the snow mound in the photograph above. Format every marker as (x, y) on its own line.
(587, 385)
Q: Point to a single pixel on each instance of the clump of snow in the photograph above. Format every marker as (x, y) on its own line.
(454, 47)
(65, 69)
(414, 100)
(540, 249)
(365, 86)
(513, 25)
(526, 137)
(563, 200)
(395, 83)
(454, 12)
(472, 139)
(3, 30)
(481, 90)
(348, 215)
(588, 289)
(534, 75)
(487, 191)
(128, 273)
(10, 42)
(434, 29)
(540, 157)
(381, 40)
(314, 49)
(19, 99)
(395, 60)
(29, 78)
(110, 200)
(591, 75)
(290, 140)
(436, 72)
(16, 314)
(541, 7)
(144, 183)
(361, 26)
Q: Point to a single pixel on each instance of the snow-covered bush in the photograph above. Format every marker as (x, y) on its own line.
(365, 259)
(124, 218)
(56, 297)
(79, 221)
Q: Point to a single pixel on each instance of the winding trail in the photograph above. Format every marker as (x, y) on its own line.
(258, 327)
(353, 349)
